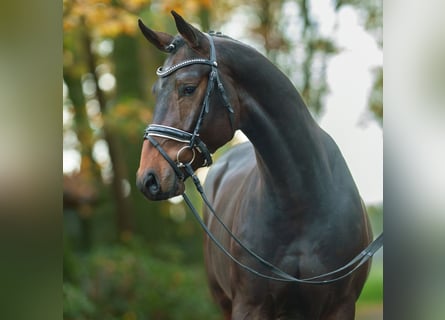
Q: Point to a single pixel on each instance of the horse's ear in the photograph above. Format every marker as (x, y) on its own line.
(160, 40)
(195, 38)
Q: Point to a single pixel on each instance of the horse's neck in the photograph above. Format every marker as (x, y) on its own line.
(289, 153)
(289, 145)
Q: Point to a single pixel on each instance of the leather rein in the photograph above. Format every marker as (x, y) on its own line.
(193, 142)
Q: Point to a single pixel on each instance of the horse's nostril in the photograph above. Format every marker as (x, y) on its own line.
(152, 184)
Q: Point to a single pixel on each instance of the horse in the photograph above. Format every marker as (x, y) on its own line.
(287, 193)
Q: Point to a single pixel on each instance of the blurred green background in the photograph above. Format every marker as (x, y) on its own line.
(125, 257)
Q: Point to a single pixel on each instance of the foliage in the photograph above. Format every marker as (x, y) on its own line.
(105, 18)
(372, 18)
(77, 305)
(375, 213)
(376, 98)
(128, 282)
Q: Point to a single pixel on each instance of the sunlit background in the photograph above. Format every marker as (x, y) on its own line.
(127, 258)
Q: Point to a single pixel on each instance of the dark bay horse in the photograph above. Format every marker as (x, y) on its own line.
(287, 194)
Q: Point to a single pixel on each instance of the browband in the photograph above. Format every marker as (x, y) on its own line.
(168, 71)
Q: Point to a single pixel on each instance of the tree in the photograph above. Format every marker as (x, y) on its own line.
(87, 24)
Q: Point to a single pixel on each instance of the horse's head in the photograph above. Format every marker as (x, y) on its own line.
(195, 111)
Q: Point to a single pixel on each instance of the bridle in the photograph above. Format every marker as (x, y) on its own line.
(194, 142)
(192, 139)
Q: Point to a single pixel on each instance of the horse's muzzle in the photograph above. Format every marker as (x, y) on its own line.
(154, 188)
(151, 184)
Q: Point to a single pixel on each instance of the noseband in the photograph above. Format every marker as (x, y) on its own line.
(192, 139)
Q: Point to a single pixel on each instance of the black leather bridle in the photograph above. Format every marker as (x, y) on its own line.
(192, 139)
(193, 142)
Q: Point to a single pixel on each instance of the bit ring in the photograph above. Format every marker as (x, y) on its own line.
(178, 162)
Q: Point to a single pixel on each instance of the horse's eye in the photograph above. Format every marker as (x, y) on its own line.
(189, 90)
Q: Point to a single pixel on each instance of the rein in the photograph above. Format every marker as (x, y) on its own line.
(360, 259)
(194, 142)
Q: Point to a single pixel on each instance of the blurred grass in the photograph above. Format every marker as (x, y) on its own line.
(370, 303)
(373, 290)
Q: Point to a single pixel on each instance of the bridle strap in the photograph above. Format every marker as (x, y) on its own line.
(171, 133)
(167, 132)
(360, 259)
(165, 73)
(193, 139)
(156, 144)
(213, 76)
